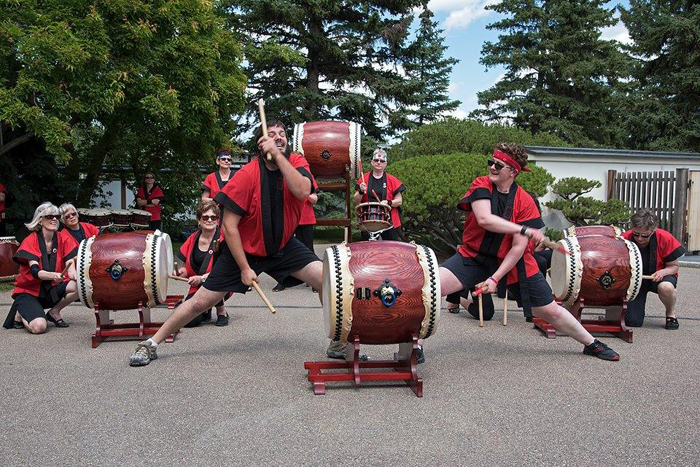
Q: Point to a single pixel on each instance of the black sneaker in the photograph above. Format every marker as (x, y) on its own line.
(453, 309)
(671, 323)
(602, 351)
(278, 288)
(143, 354)
(336, 349)
(222, 320)
(420, 355)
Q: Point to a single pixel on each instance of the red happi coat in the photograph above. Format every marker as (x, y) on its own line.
(155, 193)
(386, 188)
(186, 255)
(33, 248)
(307, 214)
(481, 246)
(213, 183)
(247, 194)
(663, 248)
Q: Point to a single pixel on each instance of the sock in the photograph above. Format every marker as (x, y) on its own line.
(152, 343)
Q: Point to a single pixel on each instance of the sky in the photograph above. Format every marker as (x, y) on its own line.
(464, 23)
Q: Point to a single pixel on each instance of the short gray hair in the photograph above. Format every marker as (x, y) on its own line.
(379, 152)
(64, 208)
(44, 209)
(645, 219)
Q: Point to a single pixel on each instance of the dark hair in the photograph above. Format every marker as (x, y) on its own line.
(143, 183)
(645, 219)
(515, 151)
(205, 206)
(270, 124)
(223, 151)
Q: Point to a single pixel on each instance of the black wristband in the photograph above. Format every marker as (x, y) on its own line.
(34, 269)
(390, 203)
(523, 229)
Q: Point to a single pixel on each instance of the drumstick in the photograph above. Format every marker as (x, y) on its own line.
(377, 197)
(178, 278)
(65, 270)
(264, 298)
(505, 309)
(478, 292)
(481, 311)
(648, 278)
(263, 122)
(556, 246)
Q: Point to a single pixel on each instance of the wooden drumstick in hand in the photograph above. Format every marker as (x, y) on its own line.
(481, 311)
(556, 246)
(264, 298)
(505, 309)
(648, 278)
(376, 197)
(178, 278)
(263, 122)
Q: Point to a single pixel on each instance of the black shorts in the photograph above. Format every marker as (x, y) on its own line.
(471, 274)
(31, 307)
(225, 276)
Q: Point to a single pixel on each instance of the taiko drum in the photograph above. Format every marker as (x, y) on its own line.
(331, 148)
(117, 271)
(8, 268)
(373, 216)
(593, 230)
(600, 269)
(383, 292)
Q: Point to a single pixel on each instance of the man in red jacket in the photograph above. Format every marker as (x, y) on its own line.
(660, 252)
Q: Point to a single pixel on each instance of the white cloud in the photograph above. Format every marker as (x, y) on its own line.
(459, 113)
(618, 33)
(461, 12)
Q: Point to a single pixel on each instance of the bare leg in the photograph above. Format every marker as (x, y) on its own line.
(312, 274)
(202, 300)
(667, 295)
(221, 310)
(449, 282)
(71, 295)
(36, 326)
(563, 321)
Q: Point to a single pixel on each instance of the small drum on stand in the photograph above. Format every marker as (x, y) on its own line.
(373, 217)
(593, 230)
(121, 271)
(378, 293)
(121, 218)
(140, 219)
(99, 217)
(8, 268)
(331, 148)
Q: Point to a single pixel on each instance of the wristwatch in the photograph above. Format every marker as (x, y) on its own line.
(389, 202)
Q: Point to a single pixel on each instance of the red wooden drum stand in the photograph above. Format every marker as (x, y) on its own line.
(613, 322)
(403, 368)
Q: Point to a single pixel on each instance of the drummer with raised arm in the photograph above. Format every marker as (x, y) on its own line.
(379, 186)
(501, 219)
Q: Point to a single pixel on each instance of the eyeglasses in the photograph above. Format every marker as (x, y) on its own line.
(70, 215)
(378, 160)
(51, 217)
(496, 165)
(210, 218)
(147, 177)
(225, 159)
(646, 235)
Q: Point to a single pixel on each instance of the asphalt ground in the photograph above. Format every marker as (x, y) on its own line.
(238, 395)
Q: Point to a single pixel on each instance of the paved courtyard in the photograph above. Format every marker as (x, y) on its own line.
(238, 395)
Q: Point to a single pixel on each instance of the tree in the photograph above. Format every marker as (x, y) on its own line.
(583, 210)
(430, 71)
(146, 84)
(323, 59)
(560, 75)
(663, 111)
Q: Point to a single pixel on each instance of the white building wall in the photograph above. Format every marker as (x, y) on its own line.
(113, 197)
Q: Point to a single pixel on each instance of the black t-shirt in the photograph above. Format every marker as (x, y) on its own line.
(78, 235)
(502, 202)
(647, 269)
(197, 258)
(276, 185)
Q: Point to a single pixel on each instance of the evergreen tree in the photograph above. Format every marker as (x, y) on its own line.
(560, 75)
(663, 112)
(321, 59)
(430, 71)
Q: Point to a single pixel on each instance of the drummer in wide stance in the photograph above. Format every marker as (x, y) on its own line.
(71, 219)
(261, 209)
(379, 186)
(46, 277)
(501, 220)
(660, 253)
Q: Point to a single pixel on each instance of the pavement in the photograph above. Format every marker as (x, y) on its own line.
(238, 395)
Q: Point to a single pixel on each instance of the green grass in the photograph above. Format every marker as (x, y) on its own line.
(7, 286)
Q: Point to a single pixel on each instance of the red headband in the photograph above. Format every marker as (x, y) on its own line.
(509, 160)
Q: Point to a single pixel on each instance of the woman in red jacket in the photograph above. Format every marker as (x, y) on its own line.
(46, 274)
(150, 197)
(198, 254)
(78, 230)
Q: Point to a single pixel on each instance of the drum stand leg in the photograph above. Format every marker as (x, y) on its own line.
(403, 368)
(105, 326)
(613, 322)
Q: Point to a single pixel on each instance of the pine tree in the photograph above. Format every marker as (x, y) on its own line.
(320, 59)
(560, 76)
(430, 71)
(664, 106)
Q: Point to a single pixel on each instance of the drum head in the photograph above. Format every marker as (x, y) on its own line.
(157, 262)
(567, 270)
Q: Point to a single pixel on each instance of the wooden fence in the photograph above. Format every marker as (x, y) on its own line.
(665, 193)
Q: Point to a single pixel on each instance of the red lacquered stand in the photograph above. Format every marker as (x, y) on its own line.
(403, 365)
(105, 326)
(613, 322)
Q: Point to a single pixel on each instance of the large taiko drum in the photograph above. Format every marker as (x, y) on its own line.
(603, 270)
(593, 230)
(382, 292)
(331, 148)
(373, 216)
(119, 270)
(8, 268)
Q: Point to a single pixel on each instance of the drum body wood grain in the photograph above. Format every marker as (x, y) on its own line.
(601, 269)
(119, 270)
(383, 292)
(331, 148)
(8, 268)
(593, 230)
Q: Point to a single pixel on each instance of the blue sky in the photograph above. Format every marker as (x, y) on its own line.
(464, 23)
